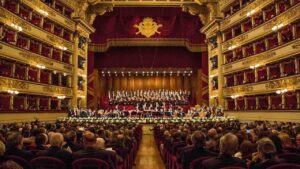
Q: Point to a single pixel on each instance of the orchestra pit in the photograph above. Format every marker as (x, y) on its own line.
(150, 84)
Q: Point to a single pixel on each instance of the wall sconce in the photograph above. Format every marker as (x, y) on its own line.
(250, 13)
(234, 96)
(232, 47)
(13, 92)
(82, 97)
(281, 91)
(41, 66)
(62, 48)
(254, 66)
(276, 27)
(16, 27)
(61, 97)
(43, 12)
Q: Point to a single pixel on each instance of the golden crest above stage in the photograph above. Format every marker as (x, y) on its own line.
(148, 27)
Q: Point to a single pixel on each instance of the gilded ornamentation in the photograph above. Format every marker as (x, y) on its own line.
(13, 84)
(36, 59)
(57, 90)
(236, 41)
(237, 90)
(148, 27)
(283, 83)
(296, 45)
(9, 18)
(259, 58)
(67, 67)
(226, 67)
(224, 3)
(58, 41)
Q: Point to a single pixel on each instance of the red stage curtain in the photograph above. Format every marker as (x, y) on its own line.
(56, 54)
(5, 68)
(240, 103)
(260, 46)
(237, 30)
(36, 19)
(283, 5)
(47, 25)
(231, 104)
(31, 102)
(270, 12)
(58, 30)
(9, 35)
(238, 54)
(263, 102)
(262, 73)
(228, 35)
(286, 34)
(19, 102)
(230, 80)
(54, 104)
(250, 76)
(34, 46)
(11, 5)
(24, 12)
(32, 74)
(20, 72)
(289, 67)
(66, 57)
(291, 100)
(274, 71)
(4, 101)
(46, 50)
(67, 35)
(44, 103)
(276, 102)
(247, 25)
(22, 42)
(45, 75)
(229, 57)
(249, 50)
(273, 41)
(251, 101)
(240, 78)
(258, 19)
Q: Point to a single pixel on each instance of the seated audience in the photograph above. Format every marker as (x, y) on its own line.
(287, 143)
(15, 146)
(6, 163)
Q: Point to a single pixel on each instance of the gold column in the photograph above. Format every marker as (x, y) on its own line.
(38, 103)
(255, 74)
(49, 104)
(50, 78)
(246, 103)
(279, 38)
(220, 72)
(59, 79)
(268, 72)
(269, 102)
(75, 72)
(85, 87)
(211, 100)
(296, 65)
(281, 70)
(235, 104)
(11, 102)
(257, 103)
(59, 104)
(26, 73)
(25, 103)
(294, 31)
(298, 100)
(282, 101)
(39, 75)
(13, 70)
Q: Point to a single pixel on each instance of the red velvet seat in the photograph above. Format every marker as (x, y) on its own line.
(290, 157)
(21, 161)
(232, 167)
(197, 163)
(285, 166)
(47, 163)
(90, 163)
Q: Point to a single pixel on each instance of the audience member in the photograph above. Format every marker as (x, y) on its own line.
(15, 146)
(5, 163)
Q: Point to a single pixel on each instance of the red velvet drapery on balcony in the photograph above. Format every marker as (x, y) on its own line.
(250, 74)
(298, 29)
(249, 50)
(67, 35)
(9, 35)
(274, 71)
(11, 5)
(66, 57)
(289, 67)
(230, 103)
(240, 103)
(276, 102)
(236, 7)
(45, 76)
(44, 103)
(5, 68)
(34, 46)
(31, 102)
(19, 102)
(283, 5)
(22, 42)
(59, 6)
(32, 74)
(58, 30)
(296, 1)
(56, 54)
(46, 50)
(251, 101)
(247, 25)
(263, 102)
(273, 41)
(55, 77)
(36, 19)
(68, 12)
(286, 34)
(238, 54)
(20, 71)
(258, 18)
(64, 81)
(4, 101)
(270, 12)
(228, 35)
(291, 100)
(24, 12)
(261, 74)
(48, 25)
(54, 104)
(237, 30)
(240, 78)
(260, 46)
(229, 56)
(230, 80)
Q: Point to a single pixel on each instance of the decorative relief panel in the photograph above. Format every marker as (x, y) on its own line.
(57, 90)
(8, 18)
(259, 58)
(283, 83)
(6, 83)
(224, 3)
(238, 89)
(35, 59)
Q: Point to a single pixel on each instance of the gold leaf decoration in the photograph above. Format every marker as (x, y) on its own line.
(148, 27)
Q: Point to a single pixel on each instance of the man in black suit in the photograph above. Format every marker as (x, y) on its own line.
(15, 147)
(196, 151)
(56, 151)
(90, 150)
(228, 147)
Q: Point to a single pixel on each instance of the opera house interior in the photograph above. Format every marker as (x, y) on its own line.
(149, 84)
